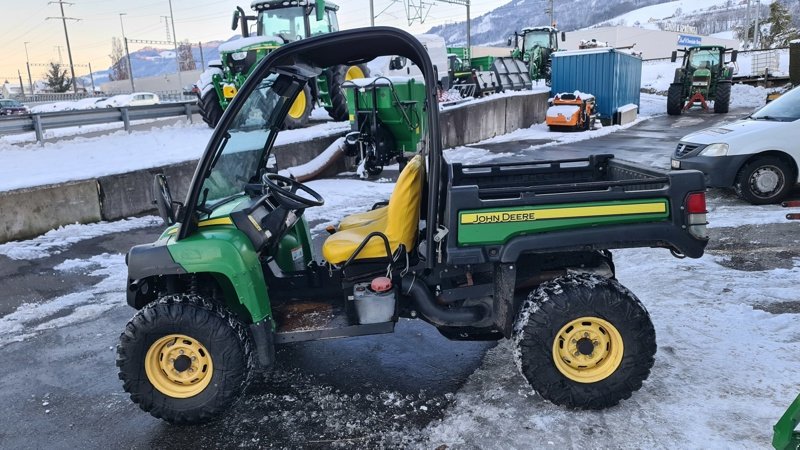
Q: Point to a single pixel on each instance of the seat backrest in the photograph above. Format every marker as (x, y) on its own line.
(402, 219)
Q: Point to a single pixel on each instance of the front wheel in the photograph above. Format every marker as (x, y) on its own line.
(765, 180)
(722, 98)
(584, 342)
(675, 100)
(336, 76)
(300, 111)
(184, 359)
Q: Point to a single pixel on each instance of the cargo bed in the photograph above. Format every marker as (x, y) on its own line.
(495, 212)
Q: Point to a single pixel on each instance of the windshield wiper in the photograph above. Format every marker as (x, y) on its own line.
(766, 118)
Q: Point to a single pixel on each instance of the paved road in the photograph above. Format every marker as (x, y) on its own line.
(59, 387)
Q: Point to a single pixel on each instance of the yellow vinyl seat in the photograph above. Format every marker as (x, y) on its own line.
(400, 224)
(364, 218)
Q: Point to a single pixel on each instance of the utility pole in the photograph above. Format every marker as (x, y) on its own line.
(372, 13)
(756, 34)
(60, 60)
(28, 64)
(166, 25)
(91, 77)
(127, 53)
(175, 42)
(21, 88)
(202, 58)
(747, 26)
(64, 20)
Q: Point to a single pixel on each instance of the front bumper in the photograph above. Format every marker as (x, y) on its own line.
(719, 171)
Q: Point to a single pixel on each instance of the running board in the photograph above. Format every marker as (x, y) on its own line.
(332, 333)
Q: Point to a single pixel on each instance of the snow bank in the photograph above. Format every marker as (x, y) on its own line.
(746, 96)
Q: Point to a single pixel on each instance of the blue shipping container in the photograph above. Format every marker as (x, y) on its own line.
(612, 76)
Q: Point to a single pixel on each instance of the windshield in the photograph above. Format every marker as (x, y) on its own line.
(240, 157)
(704, 58)
(286, 22)
(540, 38)
(10, 103)
(785, 108)
(327, 25)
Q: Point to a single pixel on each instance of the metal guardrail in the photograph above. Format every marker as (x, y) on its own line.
(38, 123)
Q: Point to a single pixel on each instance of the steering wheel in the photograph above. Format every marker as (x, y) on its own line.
(286, 194)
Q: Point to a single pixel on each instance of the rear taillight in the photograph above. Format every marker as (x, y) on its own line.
(695, 207)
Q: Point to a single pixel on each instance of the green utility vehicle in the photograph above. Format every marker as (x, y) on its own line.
(536, 49)
(278, 22)
(703, 76)
(388, 119)
(481, 252)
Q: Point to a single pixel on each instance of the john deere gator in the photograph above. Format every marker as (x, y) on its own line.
(277, 22)
(517, 251)
(704, 76)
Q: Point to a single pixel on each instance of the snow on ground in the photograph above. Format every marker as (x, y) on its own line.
(58, 240)
(119, 152)
(22, 138)
(724, 372)
(746, 96)
(30, 318)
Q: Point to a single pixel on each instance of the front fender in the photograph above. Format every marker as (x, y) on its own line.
(226, 251)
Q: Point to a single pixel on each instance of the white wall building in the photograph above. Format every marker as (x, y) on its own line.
(652, 43)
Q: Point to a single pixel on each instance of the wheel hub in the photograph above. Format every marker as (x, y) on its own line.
(766, 180)
(178, 366)
(587, 350)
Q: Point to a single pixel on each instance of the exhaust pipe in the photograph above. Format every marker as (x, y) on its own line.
(427, 307)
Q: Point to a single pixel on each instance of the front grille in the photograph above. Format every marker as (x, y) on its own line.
(684, 149)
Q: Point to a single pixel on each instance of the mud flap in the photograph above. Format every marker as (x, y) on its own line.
(505, 277)
(264, 341)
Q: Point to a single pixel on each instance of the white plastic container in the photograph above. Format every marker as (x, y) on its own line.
(371, 306)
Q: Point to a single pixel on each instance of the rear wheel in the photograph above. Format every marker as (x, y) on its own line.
(765, 180)
(184, 359)
(675, 100)
(722, 97)
(336, 76)
(584, 342)
(300, 111)
(210, 109)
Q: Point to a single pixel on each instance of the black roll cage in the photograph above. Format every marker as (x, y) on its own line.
(356, 46)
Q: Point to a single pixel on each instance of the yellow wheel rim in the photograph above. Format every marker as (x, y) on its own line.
(354, 72)
(298, 108)
(587, 350)
(178, 366)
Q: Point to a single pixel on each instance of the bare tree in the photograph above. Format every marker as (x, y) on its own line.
(119, 64)
(186, 56)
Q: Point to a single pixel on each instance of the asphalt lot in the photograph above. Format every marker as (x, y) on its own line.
(60, 388)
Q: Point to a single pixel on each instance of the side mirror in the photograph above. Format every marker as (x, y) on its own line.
(320, 10)
(563, 36)
(509, 41)
(163, 199)
(734, 54)
(397, 63)
(235, 23)
(674, 56)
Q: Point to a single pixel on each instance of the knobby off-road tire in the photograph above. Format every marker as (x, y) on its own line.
(675, 100)
(722, 98)
(754, 183)
(336, 76)
(300, 111)
(550, 314)
(210, 109)
(212, 346)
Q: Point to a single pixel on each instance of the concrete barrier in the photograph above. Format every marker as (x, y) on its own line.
(33, 211)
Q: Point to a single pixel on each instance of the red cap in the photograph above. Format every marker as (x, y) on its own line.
(381, 284)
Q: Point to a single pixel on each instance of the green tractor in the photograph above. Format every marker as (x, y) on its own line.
(278, 22)
(703, 76)
(538, 44)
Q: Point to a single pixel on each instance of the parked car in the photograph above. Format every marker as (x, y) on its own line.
(9, 107)
(757, 156)
(135, 99)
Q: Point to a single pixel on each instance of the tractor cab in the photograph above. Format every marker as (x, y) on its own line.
(534, 46)
(288, 21)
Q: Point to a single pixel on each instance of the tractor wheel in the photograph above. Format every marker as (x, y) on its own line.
(210, 109)
(764, 180)
(722, 98)
(300, 111)
(184, 359)
(584, 341)
(675, 100)
(336, 76)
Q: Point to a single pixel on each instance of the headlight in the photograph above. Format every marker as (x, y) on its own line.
(715, 150)
(238, 56)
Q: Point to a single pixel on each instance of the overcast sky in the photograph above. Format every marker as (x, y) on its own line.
(195, 20)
